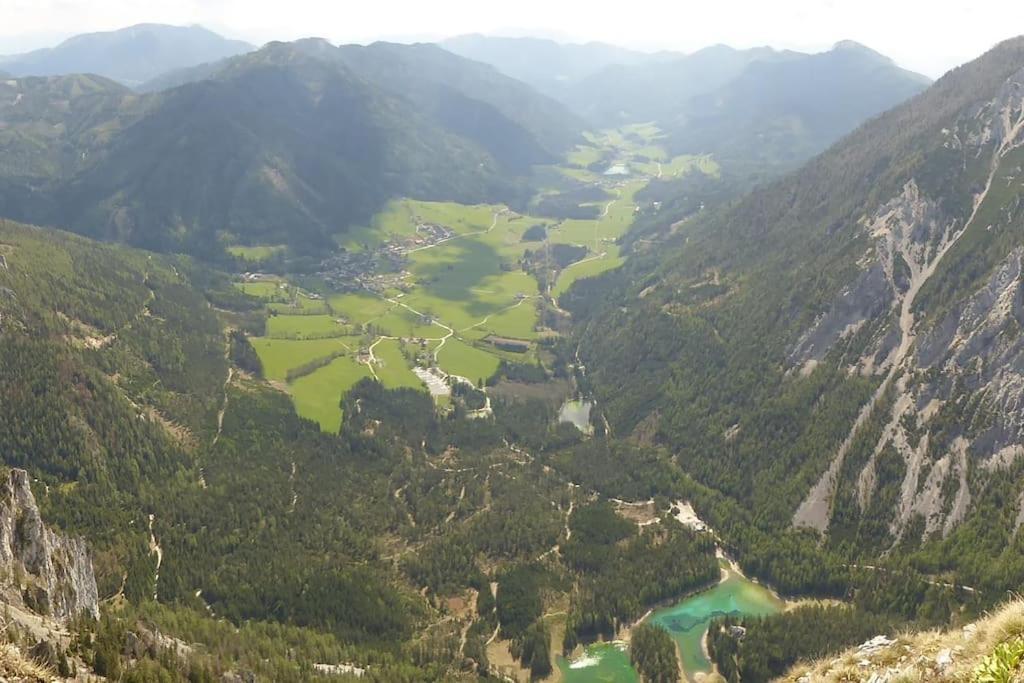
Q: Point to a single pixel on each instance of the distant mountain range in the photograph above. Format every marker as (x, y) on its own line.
(760, 105)
(294, 142)
(547, 65)
(289, 144)
(129, 55)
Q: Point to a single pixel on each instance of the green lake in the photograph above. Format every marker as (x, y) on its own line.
(686, 622)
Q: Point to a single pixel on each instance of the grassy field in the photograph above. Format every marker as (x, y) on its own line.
(256, 254)
(358, 307)
(459, 358)
(301, 304)
(584, 155)
(278, 356)
(587, 268)
(264, 289)
(318, 396)
(304, 327)
(393, 371)
(473, 283)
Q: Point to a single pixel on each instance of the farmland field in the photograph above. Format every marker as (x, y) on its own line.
(393, 370)
(264, 289)
(278, 356)
(459, 358)
(462, 276)
(318, 396)
(256, 254)
(304, 327)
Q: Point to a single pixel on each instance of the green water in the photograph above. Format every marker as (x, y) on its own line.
(599, 663)
(686, 622)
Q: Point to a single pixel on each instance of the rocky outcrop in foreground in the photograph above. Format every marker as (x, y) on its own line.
(972, 653)
(48, 573)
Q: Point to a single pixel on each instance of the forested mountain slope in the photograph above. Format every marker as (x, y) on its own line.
(290, 144)
(757, 110)
(784, 108)
(841, 350)
(403, 545)
(130, 55)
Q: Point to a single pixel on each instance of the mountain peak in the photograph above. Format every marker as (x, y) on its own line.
(854, 46)
(131, 55)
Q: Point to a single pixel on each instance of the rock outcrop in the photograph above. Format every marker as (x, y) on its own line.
(934, 656)
(950, 364)
(47, 572)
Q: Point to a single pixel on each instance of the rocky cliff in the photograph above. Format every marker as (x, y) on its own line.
(49, 573)
(936, 315)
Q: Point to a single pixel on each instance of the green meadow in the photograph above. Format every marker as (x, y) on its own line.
(318, 396)
(256, 254)
(459, 358)
(393, 370)
(278, 356)
(264, 289)
(304, 327)
(463, 290)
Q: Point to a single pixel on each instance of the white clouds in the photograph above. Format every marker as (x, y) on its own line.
(923, 35)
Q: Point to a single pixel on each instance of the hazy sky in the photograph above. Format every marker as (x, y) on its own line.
(929, 36)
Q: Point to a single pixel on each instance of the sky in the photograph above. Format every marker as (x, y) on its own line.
(928, 36)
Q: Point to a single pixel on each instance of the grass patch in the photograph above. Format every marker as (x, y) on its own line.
(394, 370)
(304, 327)
(264, 289)
(278, 356)
(256, 254)
(318, 396)
(459, 358)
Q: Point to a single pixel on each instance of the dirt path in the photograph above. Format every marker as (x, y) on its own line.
(451, 515)
(433, 320)
(497, 626)
(930, 582)
(295, 493)
(154, 548)
(471, 610)
(220, 413)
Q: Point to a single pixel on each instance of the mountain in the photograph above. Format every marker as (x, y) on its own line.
(130, 55)
(658, 90)
(546, 65)
(758, 109)
(236, 538)
(289, 144)
(840, 351)
(787, 109)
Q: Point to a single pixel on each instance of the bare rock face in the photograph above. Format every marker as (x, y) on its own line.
(951, 367)
(53, 573)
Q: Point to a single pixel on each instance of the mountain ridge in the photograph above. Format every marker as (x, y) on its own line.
(290, 167)
(131, 55)
(793, 285)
